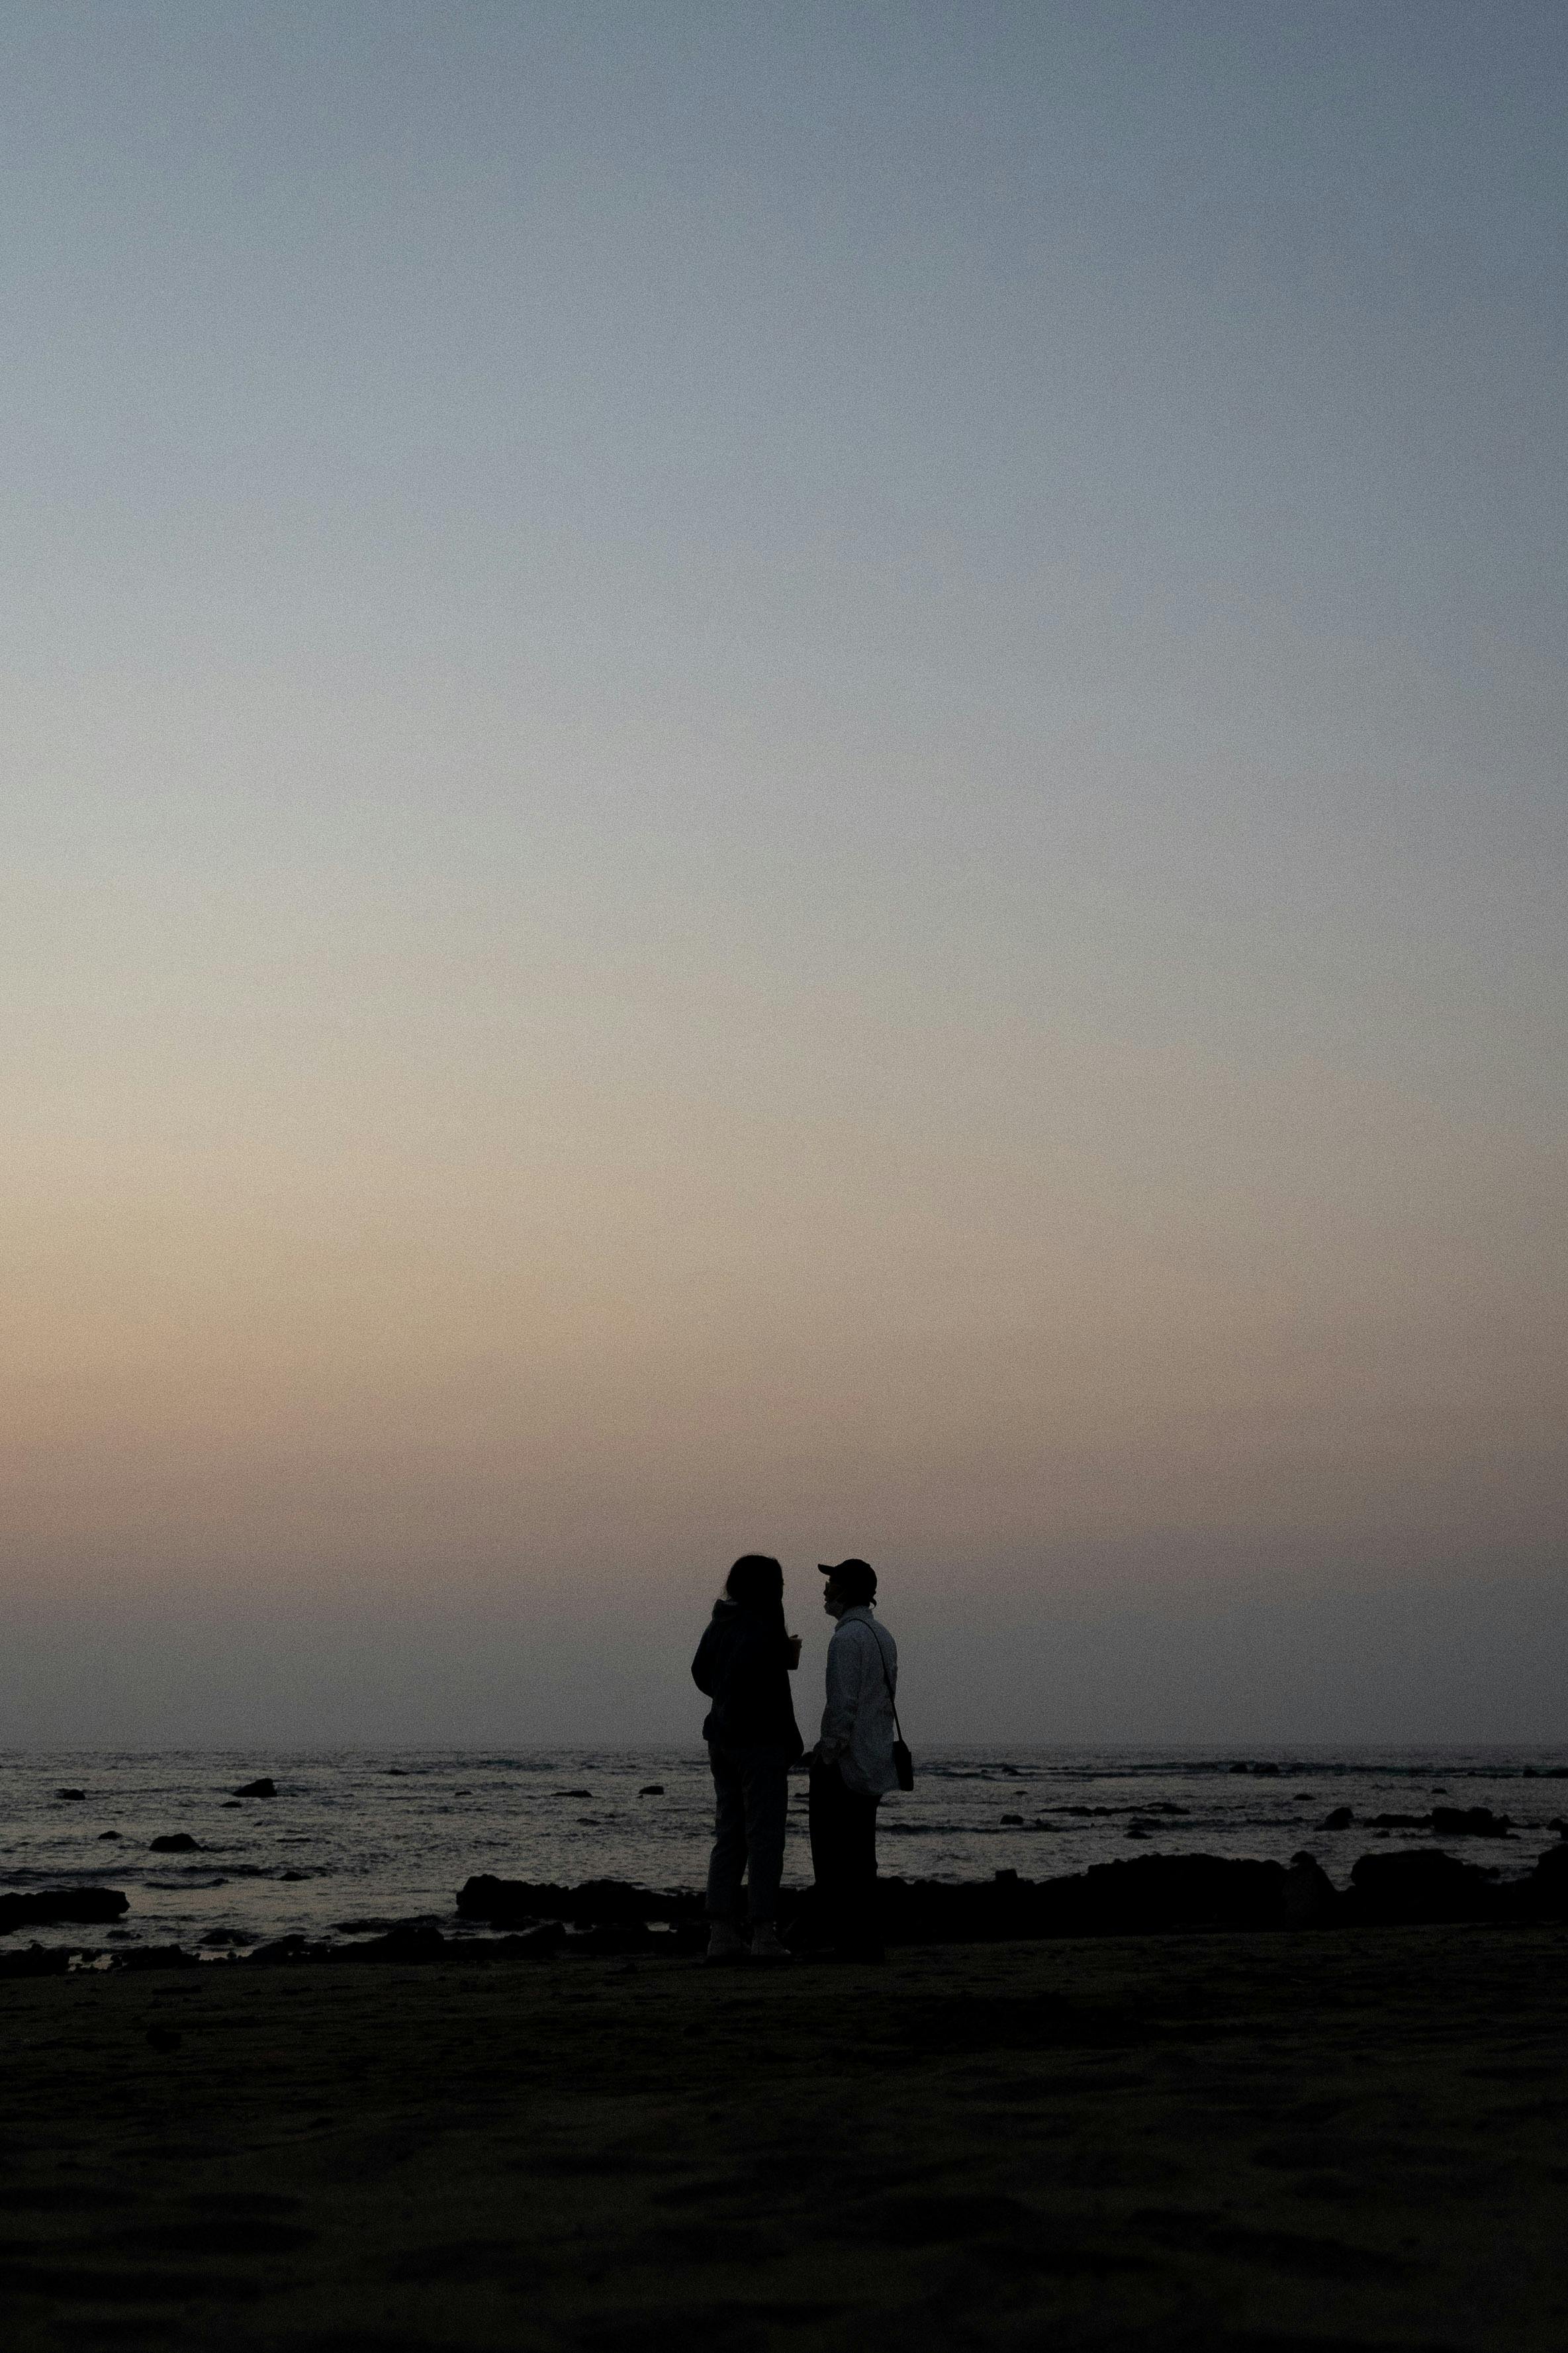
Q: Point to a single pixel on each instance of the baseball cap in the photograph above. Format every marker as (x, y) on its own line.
(853, 1572)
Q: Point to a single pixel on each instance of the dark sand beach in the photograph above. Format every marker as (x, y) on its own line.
(1346, 2140)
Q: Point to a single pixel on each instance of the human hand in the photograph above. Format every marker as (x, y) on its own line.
(793, 1645)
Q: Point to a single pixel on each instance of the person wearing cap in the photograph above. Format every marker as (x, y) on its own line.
(852, 1764)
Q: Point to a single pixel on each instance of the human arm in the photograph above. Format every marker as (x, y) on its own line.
(845, 1682)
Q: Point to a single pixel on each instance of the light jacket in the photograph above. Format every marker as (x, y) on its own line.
(857, 1722)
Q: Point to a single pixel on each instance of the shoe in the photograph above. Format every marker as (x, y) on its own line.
(725, 1943)
(765, 1945)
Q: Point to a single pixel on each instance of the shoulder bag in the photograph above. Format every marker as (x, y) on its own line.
(903, 1763)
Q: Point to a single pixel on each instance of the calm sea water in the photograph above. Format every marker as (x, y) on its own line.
(352, 1837)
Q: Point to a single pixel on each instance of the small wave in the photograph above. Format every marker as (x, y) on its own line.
(892, 1829)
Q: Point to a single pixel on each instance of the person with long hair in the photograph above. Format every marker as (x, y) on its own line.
(743, 1665)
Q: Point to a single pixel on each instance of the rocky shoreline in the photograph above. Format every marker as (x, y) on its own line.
(501, 1919)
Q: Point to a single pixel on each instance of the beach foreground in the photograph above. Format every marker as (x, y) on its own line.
(1233, 2141)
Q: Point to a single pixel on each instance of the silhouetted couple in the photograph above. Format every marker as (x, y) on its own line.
(744, 1663)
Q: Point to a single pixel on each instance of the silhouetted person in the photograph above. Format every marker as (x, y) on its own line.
(852, 1764)
(744, 1663)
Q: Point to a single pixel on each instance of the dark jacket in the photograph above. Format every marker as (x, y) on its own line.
(742, 1664)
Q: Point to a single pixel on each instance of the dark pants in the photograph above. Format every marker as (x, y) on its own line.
(750, 1800)
(844, 1858)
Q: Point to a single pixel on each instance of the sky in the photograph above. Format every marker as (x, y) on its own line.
(783, 779)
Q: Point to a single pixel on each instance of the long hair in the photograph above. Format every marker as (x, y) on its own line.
(757, 1583)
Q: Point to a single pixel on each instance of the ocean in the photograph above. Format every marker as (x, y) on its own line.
(353, 1836)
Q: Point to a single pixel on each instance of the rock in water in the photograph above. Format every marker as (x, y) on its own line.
(52, 1906)
(1418, 1885)
(176, 1842)
(1171, 1890)
(1341, 1818)
(285, 1950)
(1447, 1822)
(1546, 1889)
(510, 1902)
(262, 1789)
(1310, 1897)
(1470, 1822)
(399, 1944)
(76, 1795)
(652, 1790)
(504, 1902)
(113, 1834)
(533, 1945)
(1150, 1893)
(37, 1961)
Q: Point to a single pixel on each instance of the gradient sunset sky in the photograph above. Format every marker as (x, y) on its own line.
(784, 777)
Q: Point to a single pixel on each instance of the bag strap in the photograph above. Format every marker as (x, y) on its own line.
(869, 1625)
